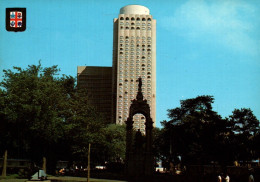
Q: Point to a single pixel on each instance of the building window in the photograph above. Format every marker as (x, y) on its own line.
(121, 18)
(126, 27)
(126, 18)
(121, 27)
(138, 19)
(149, 19)
(143, 19)
(132, 18)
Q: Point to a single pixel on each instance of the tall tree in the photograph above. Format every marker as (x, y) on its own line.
(195, 132)
(245, 126)
(40, 111)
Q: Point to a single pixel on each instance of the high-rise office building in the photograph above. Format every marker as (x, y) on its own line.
(134, 56)
(98, 83)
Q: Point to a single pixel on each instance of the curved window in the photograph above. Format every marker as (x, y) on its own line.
(143, 19)
(143, 65)
(121, 18)
(143, 58)
(132, 28)
(149, 19)
(121, 27)
(138, 19)
(143, 24)
(148, 49)
(148, 38)
(149, 28)
(126, 18)
(137, 28)
(132, 18)
(126, 37)
(132, 23)
(126, 27)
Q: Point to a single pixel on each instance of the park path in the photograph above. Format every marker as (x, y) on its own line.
(64, 179)
(80, 179)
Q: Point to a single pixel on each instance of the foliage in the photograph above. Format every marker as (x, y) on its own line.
(199, 135)
(114, 142)
(46, 115)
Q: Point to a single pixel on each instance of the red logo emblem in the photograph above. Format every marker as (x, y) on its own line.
(15, 19)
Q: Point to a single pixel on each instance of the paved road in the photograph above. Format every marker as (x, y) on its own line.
(64, 179)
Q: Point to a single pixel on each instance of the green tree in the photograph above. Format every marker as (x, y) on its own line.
(114, 142)
(45, 115)
(195, 132)
(245, 126)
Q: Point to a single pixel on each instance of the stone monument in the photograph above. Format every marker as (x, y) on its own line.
(139, 158)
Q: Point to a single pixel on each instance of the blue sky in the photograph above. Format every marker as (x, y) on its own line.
(203, 47)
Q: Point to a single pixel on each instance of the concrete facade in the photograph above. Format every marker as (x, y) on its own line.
(134, 56)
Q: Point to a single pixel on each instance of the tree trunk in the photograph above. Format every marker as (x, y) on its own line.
(44, 164)
(4, 165)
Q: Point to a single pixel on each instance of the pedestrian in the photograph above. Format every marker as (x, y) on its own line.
(251, 177)
(227, 178)
(220, 178)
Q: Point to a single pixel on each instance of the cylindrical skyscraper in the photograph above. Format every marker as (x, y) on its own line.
(134, 56)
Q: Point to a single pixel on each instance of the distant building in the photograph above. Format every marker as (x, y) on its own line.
(98, 83)
(134, 56)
